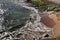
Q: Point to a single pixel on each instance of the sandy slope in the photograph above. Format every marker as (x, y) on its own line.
(52, 20)
(56, 27)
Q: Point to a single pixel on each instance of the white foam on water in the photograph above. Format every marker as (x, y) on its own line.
(31, 8)
(1, 19)
(1, 11)
(37, 25)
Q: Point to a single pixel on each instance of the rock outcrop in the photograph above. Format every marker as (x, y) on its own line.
(54, 1)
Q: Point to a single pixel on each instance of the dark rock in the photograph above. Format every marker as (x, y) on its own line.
(46, 35)
(28, 1)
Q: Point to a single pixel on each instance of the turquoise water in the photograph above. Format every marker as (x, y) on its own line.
(15, 15)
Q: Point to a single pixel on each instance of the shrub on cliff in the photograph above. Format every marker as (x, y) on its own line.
(44, 3)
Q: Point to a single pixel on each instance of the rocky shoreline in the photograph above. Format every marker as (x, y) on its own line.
(34, 24)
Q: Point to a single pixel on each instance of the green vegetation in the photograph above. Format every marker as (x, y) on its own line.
(44, 3)
(49, 39)
(58, 38)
